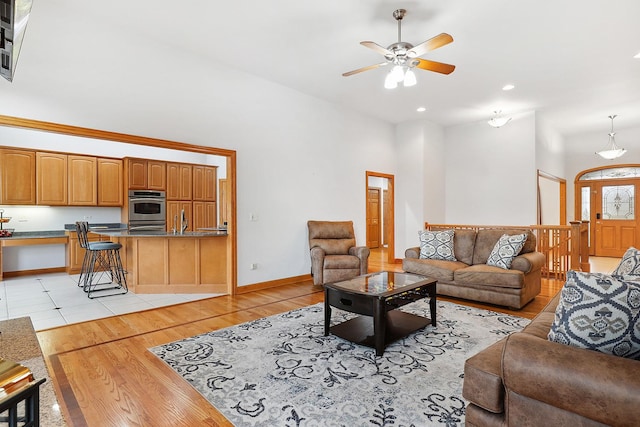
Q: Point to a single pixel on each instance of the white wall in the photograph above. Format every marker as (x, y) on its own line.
(580, 155)
(298, 158)
(420, 184)
(550, 151)
(491, 173)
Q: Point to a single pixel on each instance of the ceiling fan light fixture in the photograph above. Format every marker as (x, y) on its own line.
(390, 81)
(397, 73)
(410, 78)
(498, 120)
(611, 150)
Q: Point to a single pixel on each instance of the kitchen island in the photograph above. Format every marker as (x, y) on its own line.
(164, 262)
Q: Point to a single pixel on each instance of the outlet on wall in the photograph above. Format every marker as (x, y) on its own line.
(253, 266)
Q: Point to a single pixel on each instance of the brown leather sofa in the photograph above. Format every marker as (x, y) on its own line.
(527, 380)
(471, 278)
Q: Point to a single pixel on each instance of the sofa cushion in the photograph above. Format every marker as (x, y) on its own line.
(437, 245)
(435, 269)
(599, 312)
(483, 274)
(464, 241)
(341, 261)
(505, 250)
(486, 239)
(630, 263)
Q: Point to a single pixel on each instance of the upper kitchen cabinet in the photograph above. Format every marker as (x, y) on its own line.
(204, 183)
(83, 180)
(179, 181)
(51, 179)
(110, 182)
(18, 176)
(146, 174)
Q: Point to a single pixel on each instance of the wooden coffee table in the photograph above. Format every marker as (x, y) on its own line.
(377, 296)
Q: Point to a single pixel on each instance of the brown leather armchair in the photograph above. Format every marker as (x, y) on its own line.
(334, 254)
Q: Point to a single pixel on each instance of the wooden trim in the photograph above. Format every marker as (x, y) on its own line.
(37, 271)
(392, 228)
(110, 136)
(273, 284)
(26, 241)
(232, 270)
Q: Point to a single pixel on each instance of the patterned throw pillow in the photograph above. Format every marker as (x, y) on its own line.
(437, 245)
(506, 249)
(630, 264)
(599, 312)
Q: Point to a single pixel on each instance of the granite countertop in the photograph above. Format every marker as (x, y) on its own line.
(36, 234)
(19, 343)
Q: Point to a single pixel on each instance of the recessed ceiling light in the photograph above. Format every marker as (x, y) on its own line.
(508, 87)
(637, 55)
(421, 109)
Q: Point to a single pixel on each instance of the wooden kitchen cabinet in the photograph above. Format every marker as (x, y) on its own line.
(110, 182)
(75, 254)
(204, 183)
(174, 209)
(83, 180)
(18, 177)
(204, 215)
(156, 175)
(179, 181)
(137, 170)
(52, 186)
(146, 174)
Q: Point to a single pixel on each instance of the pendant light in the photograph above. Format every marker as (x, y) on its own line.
(611, 151)
(498, 120)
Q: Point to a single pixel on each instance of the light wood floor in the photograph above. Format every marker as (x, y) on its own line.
(104, 375)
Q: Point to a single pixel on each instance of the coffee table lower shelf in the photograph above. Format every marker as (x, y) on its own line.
(360, 329)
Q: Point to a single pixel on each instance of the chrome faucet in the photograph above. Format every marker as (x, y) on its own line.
(183, 222)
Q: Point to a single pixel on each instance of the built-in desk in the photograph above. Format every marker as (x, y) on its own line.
(32, 238)
(163, 262)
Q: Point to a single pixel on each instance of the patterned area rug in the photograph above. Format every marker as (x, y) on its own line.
(282, 371)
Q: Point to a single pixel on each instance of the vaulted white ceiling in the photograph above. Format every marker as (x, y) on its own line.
(570, 60)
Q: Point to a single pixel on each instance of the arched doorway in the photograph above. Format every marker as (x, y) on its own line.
(607, 197)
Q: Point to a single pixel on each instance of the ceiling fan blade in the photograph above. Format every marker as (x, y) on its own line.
(431, 44)
(359, 70)
(438, 67)
(377, 48)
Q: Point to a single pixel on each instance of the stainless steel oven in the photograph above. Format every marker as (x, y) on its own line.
(147, 208)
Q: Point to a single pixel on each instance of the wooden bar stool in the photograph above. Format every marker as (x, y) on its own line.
(101, 267)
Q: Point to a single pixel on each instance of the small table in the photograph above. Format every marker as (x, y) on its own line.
(378, 295)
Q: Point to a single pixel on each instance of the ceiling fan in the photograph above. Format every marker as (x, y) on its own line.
(404, 57)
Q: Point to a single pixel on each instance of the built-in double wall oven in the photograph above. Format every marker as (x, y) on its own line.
(147, 210)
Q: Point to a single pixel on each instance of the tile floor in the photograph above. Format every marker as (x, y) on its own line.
(55, 300)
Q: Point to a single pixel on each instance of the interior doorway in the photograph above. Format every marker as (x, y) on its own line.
(380, 212)
(552, 199)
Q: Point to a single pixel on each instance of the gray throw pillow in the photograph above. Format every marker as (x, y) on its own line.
(630, 263)
(599, 312)
(506, 249)
(437, 245)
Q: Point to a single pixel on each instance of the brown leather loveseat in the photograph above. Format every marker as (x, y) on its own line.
(527, 380)
(470, 277)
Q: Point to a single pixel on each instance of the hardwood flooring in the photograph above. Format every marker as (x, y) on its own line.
(104, 375)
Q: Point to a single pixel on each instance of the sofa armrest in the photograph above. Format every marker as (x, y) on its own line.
(412, 252)
(528, 262)
(362, 252)
(595, 385)
(317, 263)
